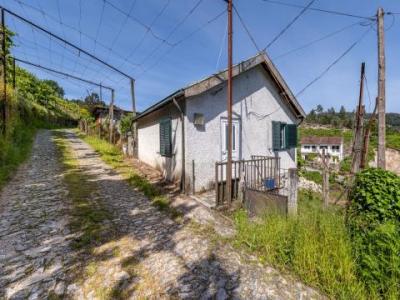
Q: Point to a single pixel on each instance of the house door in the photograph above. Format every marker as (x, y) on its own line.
(235, 139)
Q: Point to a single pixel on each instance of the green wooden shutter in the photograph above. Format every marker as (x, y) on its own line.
(291, 136)
(276, 135)
(165, 138)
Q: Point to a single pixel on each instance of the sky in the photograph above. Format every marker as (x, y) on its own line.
(167, 44)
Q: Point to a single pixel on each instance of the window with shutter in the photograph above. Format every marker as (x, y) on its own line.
(276, 135)
(291, 136)
(165, 138)
(284, 136)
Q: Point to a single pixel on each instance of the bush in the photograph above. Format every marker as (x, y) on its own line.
(313, 176)
(374, 224)
(375, 197)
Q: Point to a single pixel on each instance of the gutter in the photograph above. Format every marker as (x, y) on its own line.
(182, 117)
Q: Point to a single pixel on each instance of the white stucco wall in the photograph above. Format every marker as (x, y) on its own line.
(256, 104)
(149, 142)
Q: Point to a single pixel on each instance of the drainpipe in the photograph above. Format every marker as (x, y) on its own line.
(182, 117)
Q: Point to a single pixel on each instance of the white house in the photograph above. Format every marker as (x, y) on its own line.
(184, 134)
(333, 146)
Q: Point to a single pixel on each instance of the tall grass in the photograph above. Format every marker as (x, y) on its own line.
(315, 246)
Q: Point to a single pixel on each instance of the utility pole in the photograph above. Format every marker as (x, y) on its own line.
(381, 91)
(4, 72)
(229, 106)
(359, 127)
(367, 134)
(133, 127)
(111, 117)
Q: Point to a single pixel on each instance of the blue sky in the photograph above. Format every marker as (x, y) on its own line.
(99, 27)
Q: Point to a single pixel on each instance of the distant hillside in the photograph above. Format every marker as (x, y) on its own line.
(345, 119)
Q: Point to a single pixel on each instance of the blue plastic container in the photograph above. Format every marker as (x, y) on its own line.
(269, 183)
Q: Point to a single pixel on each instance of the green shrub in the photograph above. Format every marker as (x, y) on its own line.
(313, 176)
(375, 197)
(374, 224)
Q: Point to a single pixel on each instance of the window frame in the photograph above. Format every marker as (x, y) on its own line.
(165, 151)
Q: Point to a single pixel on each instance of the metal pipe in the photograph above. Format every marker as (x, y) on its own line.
(66, 42)
(62, 73)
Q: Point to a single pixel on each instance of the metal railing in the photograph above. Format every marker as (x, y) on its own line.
(259, 173)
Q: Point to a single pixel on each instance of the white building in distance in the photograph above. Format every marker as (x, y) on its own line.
(333, 146)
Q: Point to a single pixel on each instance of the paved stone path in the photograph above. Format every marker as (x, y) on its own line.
(34, 253)
(150, 256)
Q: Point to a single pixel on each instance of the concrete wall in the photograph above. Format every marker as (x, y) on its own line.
(256, 104)
(149, 142)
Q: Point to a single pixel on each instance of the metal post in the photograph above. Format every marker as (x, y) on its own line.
(292, 195)
(111, 117)
(325, 179)
(229, 107)
(381, 92)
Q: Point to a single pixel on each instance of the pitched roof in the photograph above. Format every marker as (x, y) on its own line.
(321, 140)
(216, 79)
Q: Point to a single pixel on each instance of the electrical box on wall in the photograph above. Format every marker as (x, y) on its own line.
(198, 119)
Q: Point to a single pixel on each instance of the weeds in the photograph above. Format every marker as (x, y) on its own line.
(315, 246)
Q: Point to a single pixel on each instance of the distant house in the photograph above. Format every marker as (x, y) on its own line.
(185, 134)
(101, 113)
(333, 146)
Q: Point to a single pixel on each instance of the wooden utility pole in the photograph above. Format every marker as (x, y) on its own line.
(381, 91)
(367, 134)
(359, 127)
(111, 117)
(325, 179)
(133, 127)
(4, 73)
(229, 106)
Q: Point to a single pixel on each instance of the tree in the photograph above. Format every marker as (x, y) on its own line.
(331, 111)
(319, 109)
(342, 112)
(93, 99)
(58, 90)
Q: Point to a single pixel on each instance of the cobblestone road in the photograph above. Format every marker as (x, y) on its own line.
(150, 256)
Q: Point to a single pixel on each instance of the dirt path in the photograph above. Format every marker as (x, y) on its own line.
(148, 255)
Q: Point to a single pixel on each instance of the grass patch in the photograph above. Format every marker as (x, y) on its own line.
(313, 176)
(87, 217)
(113, 156)
(14, 150)
(315, 246)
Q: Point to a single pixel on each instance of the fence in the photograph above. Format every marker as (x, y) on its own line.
(261, 173)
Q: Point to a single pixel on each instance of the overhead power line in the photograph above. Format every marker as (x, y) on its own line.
(333, 63)
(253, 40)
(290, 24)
(62, 73)
(66, 42)
(78, 30)
(137, 46)
(136, 20)
(174, 29)
(201, 27)
(306, 45)
(333, 12)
